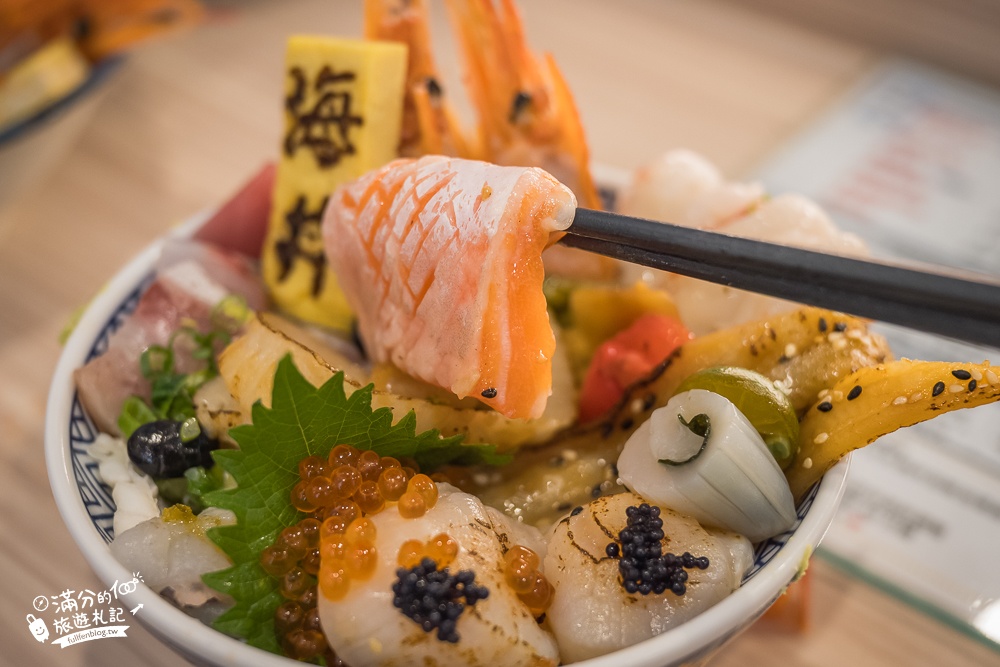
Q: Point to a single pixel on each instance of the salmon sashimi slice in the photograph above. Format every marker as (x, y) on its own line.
(441, 260)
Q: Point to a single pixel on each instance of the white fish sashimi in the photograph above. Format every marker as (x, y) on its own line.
(592, 614)
(364, 628)
(175, 554)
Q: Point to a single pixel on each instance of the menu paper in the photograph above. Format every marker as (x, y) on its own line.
(910, 161)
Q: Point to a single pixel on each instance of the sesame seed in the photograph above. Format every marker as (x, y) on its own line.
(821, 438)
(834, 337)
(489, 393)
(962, 374)
(854, 334)
(822, 324)
(839, 326)
(790, 350)
(825, 406)
(636, 405)
(955, 388)
(992, 377)
(899, 400)
(972, 385)
(838, 395)
(824, 393)
(840, 344)
(977, 375)
(938, 388)
(807, 463)
(854, 393)
(919, 396)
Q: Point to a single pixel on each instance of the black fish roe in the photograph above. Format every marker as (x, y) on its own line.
(643, 566)
(433, 598)
(489, 393)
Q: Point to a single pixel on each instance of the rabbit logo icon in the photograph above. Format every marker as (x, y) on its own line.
(38, 628)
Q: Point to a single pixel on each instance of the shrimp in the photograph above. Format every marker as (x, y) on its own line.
(593, 613)
(684, 189)
(366, 628)
(430, 126)
(527, 116)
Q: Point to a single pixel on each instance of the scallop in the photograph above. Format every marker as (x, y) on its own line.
(365, 627)
(592, 614)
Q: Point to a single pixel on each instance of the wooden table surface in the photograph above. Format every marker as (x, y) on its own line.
(189, 118)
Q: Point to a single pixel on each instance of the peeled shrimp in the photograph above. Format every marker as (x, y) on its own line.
(365, 628)
(592, 614)
(684, 189)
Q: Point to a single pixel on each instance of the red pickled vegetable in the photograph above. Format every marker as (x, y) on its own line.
(625, 359)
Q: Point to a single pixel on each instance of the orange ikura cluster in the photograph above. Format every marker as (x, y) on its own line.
(336, 542)
(522, 574)
(441, 549)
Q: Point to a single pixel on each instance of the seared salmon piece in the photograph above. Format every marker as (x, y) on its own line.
(441, 260)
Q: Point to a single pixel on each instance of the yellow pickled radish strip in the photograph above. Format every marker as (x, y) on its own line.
(343, 113)
(874, 401)
(807, 349)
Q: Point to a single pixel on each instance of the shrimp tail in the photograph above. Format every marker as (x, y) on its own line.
(430, 126)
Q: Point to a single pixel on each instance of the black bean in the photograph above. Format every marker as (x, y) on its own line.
(156, 449)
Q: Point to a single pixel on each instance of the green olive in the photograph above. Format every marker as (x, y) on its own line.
(763, 404)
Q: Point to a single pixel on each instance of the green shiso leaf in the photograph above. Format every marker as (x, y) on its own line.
(302, 420)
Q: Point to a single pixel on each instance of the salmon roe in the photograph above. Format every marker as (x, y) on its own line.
(522, 574)
(441, 549)
(335, 543)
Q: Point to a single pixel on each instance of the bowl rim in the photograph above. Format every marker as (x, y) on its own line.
(702, 634)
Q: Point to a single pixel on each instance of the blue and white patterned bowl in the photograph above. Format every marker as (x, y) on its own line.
(87, 509)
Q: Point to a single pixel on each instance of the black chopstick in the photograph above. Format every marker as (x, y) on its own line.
(938, 303)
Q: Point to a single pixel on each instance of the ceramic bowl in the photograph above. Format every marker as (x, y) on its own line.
(87, 509)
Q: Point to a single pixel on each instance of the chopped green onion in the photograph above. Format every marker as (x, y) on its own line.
(156, 359)
(134, 414)
(233, 309)
(190, 429)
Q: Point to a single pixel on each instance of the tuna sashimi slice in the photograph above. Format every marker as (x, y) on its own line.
(441, 260)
